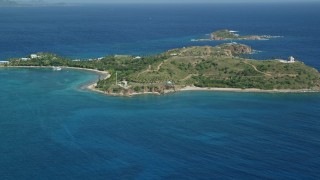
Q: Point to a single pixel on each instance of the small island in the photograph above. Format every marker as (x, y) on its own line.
(226, 34)
(220, 68)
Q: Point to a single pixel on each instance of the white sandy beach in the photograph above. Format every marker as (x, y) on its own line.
(193, 88)
(106, 73)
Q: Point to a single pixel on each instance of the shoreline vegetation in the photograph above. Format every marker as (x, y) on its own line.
(198, 68)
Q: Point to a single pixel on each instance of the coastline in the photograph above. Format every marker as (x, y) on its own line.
(253, 90)
(193, 88)
(90, 86)
(106, 75)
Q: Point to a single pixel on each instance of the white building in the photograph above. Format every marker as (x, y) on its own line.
(291, 59)
(137, 57)
(123, 84)
(169, 83)
(4, 62)
(33, 56)
(25, 59)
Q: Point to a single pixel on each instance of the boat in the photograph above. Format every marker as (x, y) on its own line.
(56, 68)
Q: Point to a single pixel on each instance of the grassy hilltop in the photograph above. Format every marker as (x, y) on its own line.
(230, 35)
(205, 66)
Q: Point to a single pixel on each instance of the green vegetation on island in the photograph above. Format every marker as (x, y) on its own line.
(220, 67)
(226, 34)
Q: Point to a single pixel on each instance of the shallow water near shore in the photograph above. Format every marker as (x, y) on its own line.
(51, 129)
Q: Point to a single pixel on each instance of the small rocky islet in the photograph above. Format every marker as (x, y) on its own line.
(225, 34)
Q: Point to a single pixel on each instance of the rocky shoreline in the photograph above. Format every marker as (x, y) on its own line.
(92, 87)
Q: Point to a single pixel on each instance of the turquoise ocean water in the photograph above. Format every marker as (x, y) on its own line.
(53, 128)
(50, 128)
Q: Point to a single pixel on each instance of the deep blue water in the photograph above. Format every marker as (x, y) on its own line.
(52, 128)
(94, 31)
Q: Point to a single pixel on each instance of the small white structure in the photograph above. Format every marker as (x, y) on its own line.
(121, 56)
(174, 54)
(137, 57)
(169, 83)
(33, 56)
(4, 62)
(56, 68)
(100, 58)
(291, 59)
(25, 59)
(123, 84)
(76, 60)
